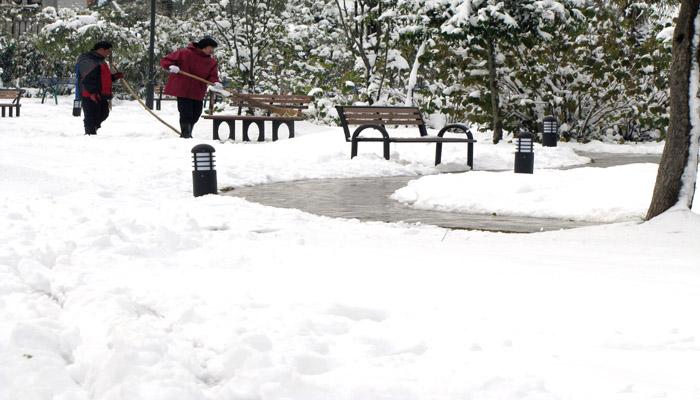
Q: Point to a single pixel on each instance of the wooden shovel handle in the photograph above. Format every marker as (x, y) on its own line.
(283, 111)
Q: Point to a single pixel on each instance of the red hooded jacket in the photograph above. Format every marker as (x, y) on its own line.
(194, 61)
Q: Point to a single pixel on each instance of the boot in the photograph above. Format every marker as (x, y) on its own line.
(185, 130)
(90, 131)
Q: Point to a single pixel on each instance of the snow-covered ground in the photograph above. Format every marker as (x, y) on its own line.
(115, 283)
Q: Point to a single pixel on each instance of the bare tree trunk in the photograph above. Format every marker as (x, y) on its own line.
(355, 37)
(250, 39)
(413, 77)
(355, 42)
(493, 84)
(386, 63)
(676, 156)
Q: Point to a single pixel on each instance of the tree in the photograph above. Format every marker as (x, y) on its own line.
(249, 32)
(607, 76)
(676, 179)
(370, 34)
(492, 27)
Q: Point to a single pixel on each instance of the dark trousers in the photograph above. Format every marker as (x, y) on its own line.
(190, 111)
(94, 113)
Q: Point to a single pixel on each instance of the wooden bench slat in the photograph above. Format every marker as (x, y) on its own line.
(386, 116)
(370, 117)
(352, 109)
(256, 104)
(384, 122)
(383, 115)
(281, 96)
(383, 111)
(251, 118)
(249, 105)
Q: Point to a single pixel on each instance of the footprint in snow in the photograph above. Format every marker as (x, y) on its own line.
(358, 313)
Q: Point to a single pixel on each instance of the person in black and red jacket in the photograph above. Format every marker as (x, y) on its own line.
(95, 81)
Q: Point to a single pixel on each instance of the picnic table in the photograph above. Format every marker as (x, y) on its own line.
(295, 103)
(9, 99)
(54, 86)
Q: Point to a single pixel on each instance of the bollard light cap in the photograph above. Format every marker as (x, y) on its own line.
(549, 118)
(203, 148)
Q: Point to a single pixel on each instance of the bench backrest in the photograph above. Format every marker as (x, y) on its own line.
(364, 115)
(298, 102)
(285, 101)
(52, 81)
(13, 94)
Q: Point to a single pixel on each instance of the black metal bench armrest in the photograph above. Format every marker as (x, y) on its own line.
(361, 128)
(461, 127)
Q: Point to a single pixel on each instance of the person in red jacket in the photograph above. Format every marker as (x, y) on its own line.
(95, 85)
(196, 59)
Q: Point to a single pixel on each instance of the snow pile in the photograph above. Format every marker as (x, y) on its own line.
(597, 146)
(585, 194)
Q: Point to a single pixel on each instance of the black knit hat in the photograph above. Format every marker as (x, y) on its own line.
(206, 42)
(102, 44)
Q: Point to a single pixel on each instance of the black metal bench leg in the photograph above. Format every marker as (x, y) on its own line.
(386, 150)
(3, 112)
(17, 111)
(353, 149)
(157, 105)
(215, 135)
(275, 130)
(231, 130)
(246, 125)
(11, 112)
(438, 153)
(470, 155)
(261, 130)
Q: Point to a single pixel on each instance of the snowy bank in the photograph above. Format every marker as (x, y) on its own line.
(584, 194)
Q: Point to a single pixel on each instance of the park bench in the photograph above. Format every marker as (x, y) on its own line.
(9, 99)
(377, 118)
(160, 96)
(253, 101)
(54, 87)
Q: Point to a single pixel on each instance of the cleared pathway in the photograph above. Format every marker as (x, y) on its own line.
(367, 199)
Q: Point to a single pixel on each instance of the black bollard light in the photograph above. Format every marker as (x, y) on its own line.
(550, 134)
(204, 174)
(524, 154)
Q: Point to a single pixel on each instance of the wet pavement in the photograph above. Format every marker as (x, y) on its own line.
(367, 199)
